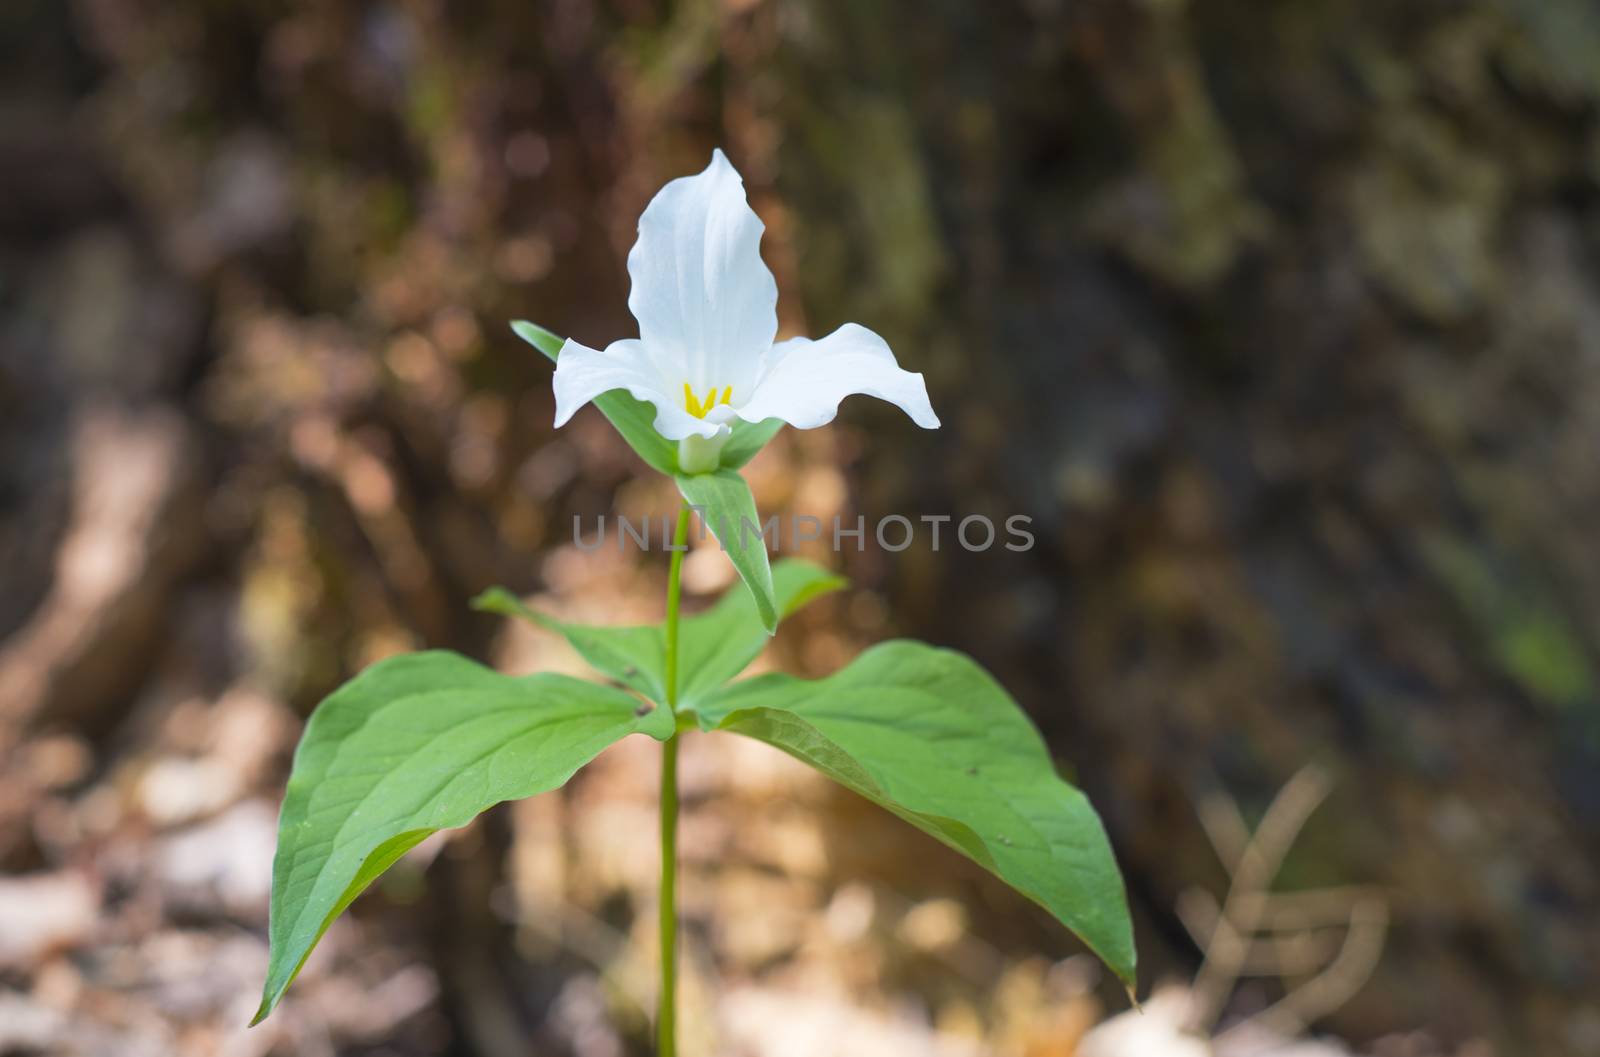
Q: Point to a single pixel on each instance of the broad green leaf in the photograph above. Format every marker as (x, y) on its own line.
(415, 744)
(634, 419)
(713, 647)
(721, 642)
(929, 735)
(748, 438)
(634, 656)
(727, 508)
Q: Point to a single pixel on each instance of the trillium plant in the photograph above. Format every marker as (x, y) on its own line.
(426, 741)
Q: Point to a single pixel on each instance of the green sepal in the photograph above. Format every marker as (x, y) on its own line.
(748, 438)
(634, 419)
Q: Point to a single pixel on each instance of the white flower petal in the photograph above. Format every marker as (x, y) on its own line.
(674, 423)
(583, 373)
(805, 380)
(704, 300)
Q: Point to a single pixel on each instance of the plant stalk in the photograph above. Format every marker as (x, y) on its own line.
(667, 1011)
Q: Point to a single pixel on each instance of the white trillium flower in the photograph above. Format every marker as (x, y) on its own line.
(707, 311)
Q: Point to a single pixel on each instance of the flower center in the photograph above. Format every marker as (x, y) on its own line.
(700, 409)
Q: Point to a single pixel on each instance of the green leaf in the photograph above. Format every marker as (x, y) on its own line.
(634, 419)
(713, 646)
(748, 438)
(930, 736)
(634, 656)
(727, 508)
(718, 644)
(415, 744)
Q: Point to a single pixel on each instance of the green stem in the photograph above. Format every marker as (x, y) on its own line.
(680, 542)
(667, 1013)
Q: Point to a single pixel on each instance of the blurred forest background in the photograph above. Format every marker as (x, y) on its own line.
(1281, 320)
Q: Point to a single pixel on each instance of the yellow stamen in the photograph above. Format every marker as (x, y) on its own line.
(698, 409)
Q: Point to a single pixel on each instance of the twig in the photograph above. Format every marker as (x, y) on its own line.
(1335, 985)
(1302, 952)
(1256, 865)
